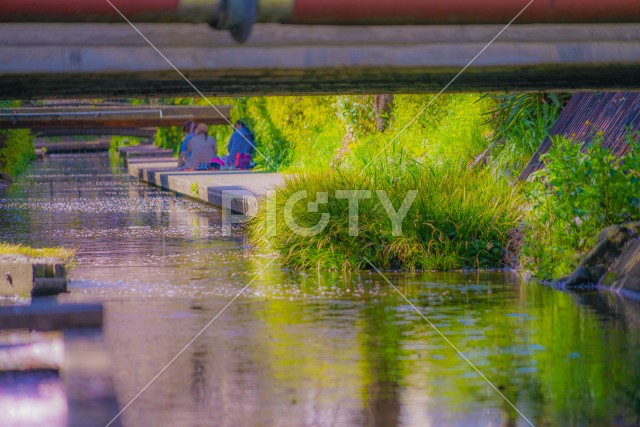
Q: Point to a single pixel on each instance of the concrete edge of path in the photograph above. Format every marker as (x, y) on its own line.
(242, 188)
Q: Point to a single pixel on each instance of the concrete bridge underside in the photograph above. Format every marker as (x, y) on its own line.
(131, 116)
(112, 60)
(134, 132)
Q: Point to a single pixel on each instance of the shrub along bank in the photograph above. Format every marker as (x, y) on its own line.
(461, 151)
(572, 198)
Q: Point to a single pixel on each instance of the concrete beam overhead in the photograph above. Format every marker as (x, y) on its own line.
(112, 60)
(106, 117)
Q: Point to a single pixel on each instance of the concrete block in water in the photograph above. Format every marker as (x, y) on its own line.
(624, 275)
(16, 276)
(611, 243)
(27, 277)
(45, 286)
(47, 315)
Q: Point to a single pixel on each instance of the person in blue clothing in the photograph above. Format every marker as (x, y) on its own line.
(241, 146)
(188, 130)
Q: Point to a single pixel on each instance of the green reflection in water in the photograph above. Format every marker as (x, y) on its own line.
(552, 354)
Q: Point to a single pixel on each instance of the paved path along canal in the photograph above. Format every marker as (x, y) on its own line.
(314, 349)
(237, 190)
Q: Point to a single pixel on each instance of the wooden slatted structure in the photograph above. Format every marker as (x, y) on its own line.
(588, 113)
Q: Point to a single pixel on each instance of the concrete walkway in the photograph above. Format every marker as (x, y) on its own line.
(241, 188)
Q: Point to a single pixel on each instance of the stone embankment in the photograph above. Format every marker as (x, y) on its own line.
(613, 264)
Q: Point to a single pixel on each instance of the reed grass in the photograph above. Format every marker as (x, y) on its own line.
(459, 219)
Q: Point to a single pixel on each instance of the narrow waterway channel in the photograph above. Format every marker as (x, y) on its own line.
(314, 349)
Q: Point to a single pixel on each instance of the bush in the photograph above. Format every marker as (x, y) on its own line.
(459, 219)
(169, 138)
(16, 150)
(291, 132)
(574, 196)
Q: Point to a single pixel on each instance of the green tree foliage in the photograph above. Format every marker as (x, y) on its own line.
(169, 138)
(292, 133)
(460, 218)
(303, 133)
(520, 122)
(16, 146)
(574, 196)
(16, 150)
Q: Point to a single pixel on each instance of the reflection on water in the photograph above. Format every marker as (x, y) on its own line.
(315, 349)
(26, 399)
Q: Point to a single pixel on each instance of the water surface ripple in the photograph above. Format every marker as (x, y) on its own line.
(316, 348)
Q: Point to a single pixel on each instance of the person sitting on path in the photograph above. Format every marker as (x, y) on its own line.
(201, 148)
(188, 131)
(241, 147)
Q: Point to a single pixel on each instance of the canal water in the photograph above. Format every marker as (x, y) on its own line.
(315, 348)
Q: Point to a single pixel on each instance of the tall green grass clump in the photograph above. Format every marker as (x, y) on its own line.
(459, 219)
(573, 197)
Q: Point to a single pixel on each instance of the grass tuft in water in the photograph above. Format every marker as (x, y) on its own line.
(459, 219)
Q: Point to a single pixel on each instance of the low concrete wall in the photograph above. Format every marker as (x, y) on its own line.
(144, 151)
(26, 277)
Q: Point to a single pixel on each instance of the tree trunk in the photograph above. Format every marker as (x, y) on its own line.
(383, 107)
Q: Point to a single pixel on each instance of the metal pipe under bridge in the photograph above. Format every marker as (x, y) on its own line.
(238, 16)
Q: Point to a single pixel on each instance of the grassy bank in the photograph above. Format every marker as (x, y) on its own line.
(460, 152)
(463, 214)
(63, 254)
